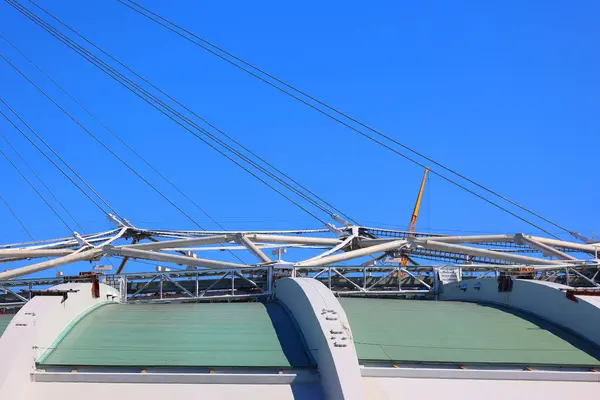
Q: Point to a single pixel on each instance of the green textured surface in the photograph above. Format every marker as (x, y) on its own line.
(4, 321)
(455, 332)
(182, 335)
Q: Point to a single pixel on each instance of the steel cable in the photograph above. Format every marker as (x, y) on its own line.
(113, 133)
(106, 147)
(136, 89)
(50, 158)
(239, 154)
(16, 217)
(41, 196)
(99, 141)
(41, 181)
(164, 21)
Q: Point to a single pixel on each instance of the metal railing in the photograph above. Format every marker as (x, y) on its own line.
(256, 282)
(260, 282)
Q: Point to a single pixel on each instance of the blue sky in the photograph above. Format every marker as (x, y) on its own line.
(504, 92)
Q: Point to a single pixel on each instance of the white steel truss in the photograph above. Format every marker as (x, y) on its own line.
(338, 250)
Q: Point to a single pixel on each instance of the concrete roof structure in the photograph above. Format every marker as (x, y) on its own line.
(303, 343)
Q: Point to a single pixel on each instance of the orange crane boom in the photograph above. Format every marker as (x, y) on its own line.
(415, 214)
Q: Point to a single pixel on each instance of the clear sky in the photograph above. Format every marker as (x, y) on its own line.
(506, 92)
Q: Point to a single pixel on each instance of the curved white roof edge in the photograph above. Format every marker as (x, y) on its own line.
(34, 329)
(326, 328)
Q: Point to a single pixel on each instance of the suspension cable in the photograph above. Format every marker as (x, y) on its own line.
(27, 13)
(100, 142)
(293, 188)
(214, 49)
(113, 133)
(123, 142)
(51, 160)
(16, 217)
(36, 191)
(41, 181)
(152, 101)
(136, 88)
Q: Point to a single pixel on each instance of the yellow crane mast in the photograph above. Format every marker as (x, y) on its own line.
(415, 214)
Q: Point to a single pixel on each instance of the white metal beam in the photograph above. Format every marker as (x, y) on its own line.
(174, 244)
(586, 248)
(33, 253)
(292, 239)
(253, 249)
(340, 246)
(474, 239)
(475, 252)
(546, 250)
(172, 258)
(448, 239)
(57, 262)
(353, 254)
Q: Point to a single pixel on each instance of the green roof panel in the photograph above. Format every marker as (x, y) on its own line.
(457, 332)
(4, 321)
(181, 335)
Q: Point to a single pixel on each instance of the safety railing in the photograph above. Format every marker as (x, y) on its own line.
(259, 281)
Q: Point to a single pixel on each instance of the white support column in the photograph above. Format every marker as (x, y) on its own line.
(327, 332)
